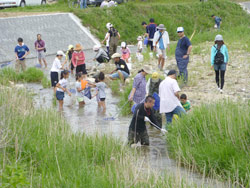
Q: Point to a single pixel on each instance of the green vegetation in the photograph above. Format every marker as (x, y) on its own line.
(215, 139)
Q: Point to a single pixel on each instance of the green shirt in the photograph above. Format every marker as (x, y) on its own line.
(186, 106)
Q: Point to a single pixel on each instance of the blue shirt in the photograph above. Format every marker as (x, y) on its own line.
(184, 43)
(21, 50)
(161, 45)
(223, 50)
(151, 29)
(217, 20)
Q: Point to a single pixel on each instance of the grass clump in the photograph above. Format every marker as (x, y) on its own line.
(215, 139)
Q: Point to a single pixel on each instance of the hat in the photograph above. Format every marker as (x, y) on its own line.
(78, 47)
(123, 44)
(115, 55)
(155, 77)
(109, 25)
(60, 53)
(147, 69)
(70, 47)
(218, 38)
(161, 27)
(139, 38)
(180, 29)
(96, 47)
(172, 72)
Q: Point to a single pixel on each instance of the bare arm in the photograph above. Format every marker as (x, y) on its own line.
(189, 50)
(132, 94)
(106, 38)
(119, 36)
(177, 94)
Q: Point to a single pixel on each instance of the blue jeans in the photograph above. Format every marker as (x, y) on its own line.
(116, 75)
(83, 4)
(178, 110)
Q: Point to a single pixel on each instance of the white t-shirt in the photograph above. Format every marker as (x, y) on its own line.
(111, 3)
(107, 41)
(79, 86)
(56, 66)
(139, 45)
(167, 90)
(104, 4)
(63, 83)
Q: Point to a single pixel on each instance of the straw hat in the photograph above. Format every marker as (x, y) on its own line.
(147, 69)
(78, 47)
(70, 47)
(115, 55)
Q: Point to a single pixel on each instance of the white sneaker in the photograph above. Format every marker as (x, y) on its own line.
(218, 89)
(221, 91)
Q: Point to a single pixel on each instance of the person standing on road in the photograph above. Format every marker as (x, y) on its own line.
(151, 29)
(40, 48)
(83, 4)
(78, 59)
(219, 60)
(182, 52)
(217, 21)
(169, 97)
(21, 51)
(160, 43)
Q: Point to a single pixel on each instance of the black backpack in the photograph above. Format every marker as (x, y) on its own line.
(219, 57)
(113, 32)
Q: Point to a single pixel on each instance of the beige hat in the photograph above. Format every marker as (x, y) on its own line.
(115, 55)
(147, 69)
(78, 47)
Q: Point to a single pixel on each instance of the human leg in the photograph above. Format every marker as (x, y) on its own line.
(121, 75)
(169, 117)
(131, 137)
(23, 65)
(60, 105)
(217, 79)
(144, 138)
(179, 111)
(17, 65)
(222, 76)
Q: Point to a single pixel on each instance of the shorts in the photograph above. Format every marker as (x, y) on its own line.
(41, 54)
(140, 137)
(59, 95)
(102, 99)
(80, 99)
(116, 75)
(221, 67)
(54, 78)
(81, 68)
(162, 52)
(125, 56)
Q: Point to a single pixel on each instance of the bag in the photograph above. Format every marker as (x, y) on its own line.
(219, 57)
(159, 38)
(41, 45)
(113, 32)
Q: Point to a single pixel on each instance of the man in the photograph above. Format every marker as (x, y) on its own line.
(182, 52)
(151, 29)
(83, 4)
(161, 42)
(21, 51)
(145, 26)
(121, 70)
(114, 37)
(169, 97)
(40, 48)
(217, 21)
(137, 129)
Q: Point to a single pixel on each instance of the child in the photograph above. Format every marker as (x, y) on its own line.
(69, 57)
(62, 87)
(79, 89)
(125, 52)
(139, 55)
(185, 103)
(101, 95)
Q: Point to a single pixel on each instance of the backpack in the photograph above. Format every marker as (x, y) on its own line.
(113, 32)
(219, 57)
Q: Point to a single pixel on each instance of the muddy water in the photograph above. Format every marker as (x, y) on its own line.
(90, 120)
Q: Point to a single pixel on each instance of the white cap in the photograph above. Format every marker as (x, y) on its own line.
(139, 38)
(180, 29)
(109, 25)
(123, 44)
(60, 53)
(96, 47)
(218, 38)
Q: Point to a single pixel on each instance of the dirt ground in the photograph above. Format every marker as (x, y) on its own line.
(15, 14)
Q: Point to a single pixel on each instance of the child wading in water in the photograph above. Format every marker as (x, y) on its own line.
(62, 88)
(125, 52)
(101, 95)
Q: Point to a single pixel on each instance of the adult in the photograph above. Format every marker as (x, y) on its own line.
(105, 3)
(121, 70)
(78, 59)
(21, 51)
(107, 37)
(101, 56)
(137, 129)
(169, 97)
(217, 21)
(152, 89)
(182, 52)
(145, 26)
(114, 38)
(219, 60)
(151, 29)
(161, 43)
(83, 4)
(40, 48)
(138, 92)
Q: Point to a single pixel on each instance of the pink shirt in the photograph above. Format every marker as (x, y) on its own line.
(125, 51)
(81, 58)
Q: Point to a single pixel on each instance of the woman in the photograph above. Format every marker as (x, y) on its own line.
(138, 92)
(78, 59)
(219, 60)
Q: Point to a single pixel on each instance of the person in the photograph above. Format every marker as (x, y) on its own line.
(101, 56)
(151, 29)
(217, 21)
(125, 52)
(114, 37)
(137, 129)
(152, 88)
(101, 94)
(161, 42)
(83, 4)
(145, 26)
(112, 3)
(62, 88)
(56, 66)
(79, 89)
(182, 52)
(21, 51)
(40, 48)
(185, 103)
(121, 70)
(69, 57)
(219, 60)
(107, 37)
(105, 3)
(139, 45)
(78, 59)
(138, 92)
(169, 97)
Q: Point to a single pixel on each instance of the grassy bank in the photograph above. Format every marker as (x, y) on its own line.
(215, 139)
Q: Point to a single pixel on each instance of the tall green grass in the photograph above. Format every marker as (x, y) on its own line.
(215, 139)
